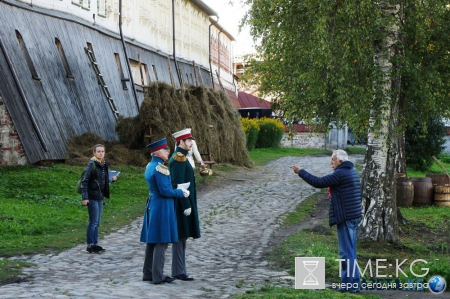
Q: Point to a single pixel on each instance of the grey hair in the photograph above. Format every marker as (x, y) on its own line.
(341, 155)
(155, 153)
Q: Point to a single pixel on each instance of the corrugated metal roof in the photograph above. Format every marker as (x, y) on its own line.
(247, 100)
(233, 98)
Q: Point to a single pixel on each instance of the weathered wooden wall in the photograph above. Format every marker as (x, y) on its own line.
(48, 111)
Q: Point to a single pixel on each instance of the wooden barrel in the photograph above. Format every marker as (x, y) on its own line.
(439, 179)
(405, 192)
(442, 195)
(423, 191)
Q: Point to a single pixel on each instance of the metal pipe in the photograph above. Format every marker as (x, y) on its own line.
(24, 99)
(218, 53)
(180, 79)
(210, 59)
(126, 55)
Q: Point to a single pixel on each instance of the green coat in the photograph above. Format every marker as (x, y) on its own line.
(181, 171)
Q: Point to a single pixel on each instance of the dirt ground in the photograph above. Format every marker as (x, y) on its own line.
(316, 220)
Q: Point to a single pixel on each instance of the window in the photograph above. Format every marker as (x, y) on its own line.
(86, 4)
(139, 72)
(102, 8)
(30, 64)
(63, 57)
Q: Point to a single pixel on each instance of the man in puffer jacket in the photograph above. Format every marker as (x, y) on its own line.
(344, 192)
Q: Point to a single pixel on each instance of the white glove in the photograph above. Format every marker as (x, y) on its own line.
(187, 212)
(185, 192)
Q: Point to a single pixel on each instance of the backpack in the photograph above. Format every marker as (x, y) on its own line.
(78, 186)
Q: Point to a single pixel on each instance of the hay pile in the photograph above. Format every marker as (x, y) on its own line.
(81, 146)
(214, 121)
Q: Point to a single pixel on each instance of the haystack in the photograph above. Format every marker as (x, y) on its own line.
(214, 121)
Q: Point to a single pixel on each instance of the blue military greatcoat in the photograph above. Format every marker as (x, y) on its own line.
(159, 224)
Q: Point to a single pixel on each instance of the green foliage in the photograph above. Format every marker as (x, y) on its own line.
(270, 133)
(424, 142)
(251, 130)
(316, 58)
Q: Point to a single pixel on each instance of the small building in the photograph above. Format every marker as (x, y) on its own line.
(253, 107)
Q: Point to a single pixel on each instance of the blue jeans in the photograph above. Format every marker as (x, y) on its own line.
(347, 251)
(95, 208)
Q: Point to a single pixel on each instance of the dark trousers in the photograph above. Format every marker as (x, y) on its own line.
(154, 262)
(179, 257)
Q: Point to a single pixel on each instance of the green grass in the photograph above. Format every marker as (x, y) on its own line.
(262, 156)
(444, 159)
(355, 150)
(271, 292)
(11, 270)
(301, 214)
(41, 211)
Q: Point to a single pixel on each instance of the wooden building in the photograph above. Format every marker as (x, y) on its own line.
(72, 66)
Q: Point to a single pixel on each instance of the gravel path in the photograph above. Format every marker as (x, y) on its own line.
(237, 221)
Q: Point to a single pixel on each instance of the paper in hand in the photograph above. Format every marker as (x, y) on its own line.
(111, 174)
(184, 185)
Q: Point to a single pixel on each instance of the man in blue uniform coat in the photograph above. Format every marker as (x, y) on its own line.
(185, 208)
(159, 227)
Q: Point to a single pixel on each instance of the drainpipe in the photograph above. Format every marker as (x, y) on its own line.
(180, 79)
(126, 55)
(210, 58)
(232, 67)
(218, 53)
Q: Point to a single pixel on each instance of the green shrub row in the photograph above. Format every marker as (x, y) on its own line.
(263, 132)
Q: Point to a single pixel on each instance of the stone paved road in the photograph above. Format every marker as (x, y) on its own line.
(237, 221)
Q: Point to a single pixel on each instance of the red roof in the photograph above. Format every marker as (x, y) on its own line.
(247, 100)
(233, 98)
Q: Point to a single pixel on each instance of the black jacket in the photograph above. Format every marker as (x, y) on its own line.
(95, 183)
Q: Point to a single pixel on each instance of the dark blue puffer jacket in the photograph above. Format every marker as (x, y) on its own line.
(345, 203)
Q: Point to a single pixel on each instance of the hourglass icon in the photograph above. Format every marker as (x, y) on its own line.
(310, 279)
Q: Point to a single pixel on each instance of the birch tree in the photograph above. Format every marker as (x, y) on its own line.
(365, 63)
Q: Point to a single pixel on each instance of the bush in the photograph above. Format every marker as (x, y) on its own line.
(251, 129)
(422, 142)
(270, 133)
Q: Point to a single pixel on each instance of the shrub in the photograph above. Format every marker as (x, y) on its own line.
(270, 133)
(251, 129)
(422, 142)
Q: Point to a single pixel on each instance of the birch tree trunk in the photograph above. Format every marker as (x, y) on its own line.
(379, 182)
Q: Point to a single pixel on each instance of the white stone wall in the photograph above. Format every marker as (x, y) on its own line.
(335, 139)
(11, 150)
(304, 140)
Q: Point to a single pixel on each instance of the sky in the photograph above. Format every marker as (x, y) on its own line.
(229, 18)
